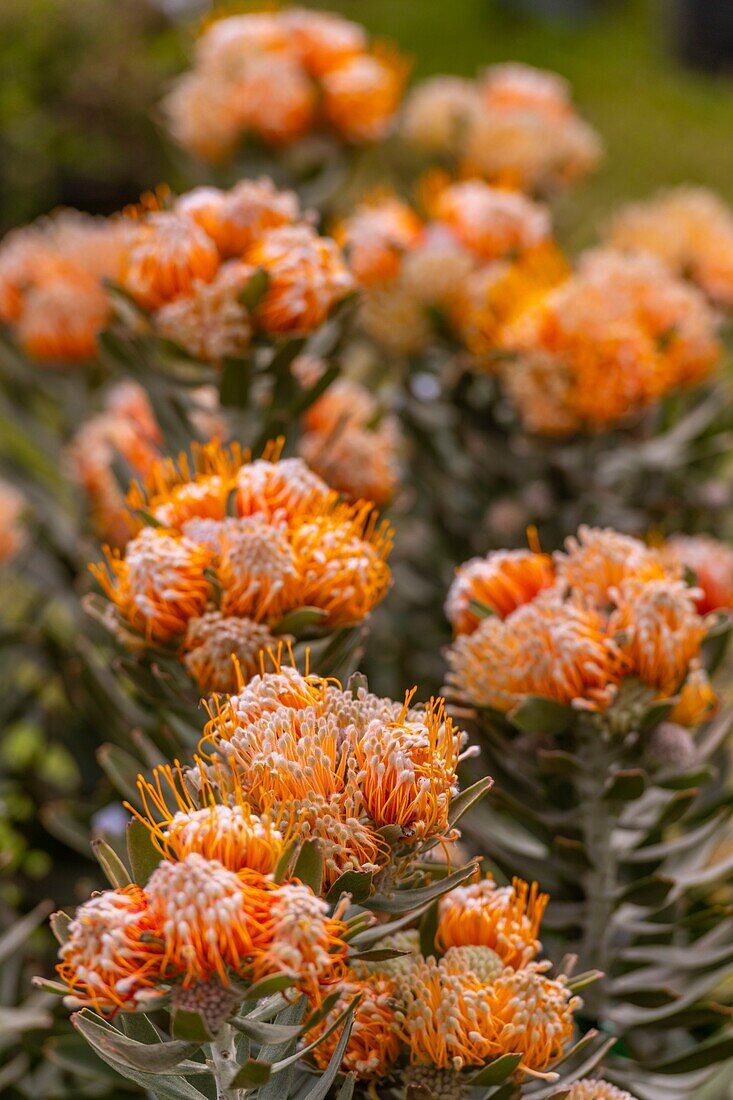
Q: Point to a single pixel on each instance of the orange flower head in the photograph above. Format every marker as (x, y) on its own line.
(113, 957)
(342, 559)
(209, 321)
(407, 770)
(593, 1089)
(236, 219)
(219, 649)
(159, 584)
(226, 40)
(178, 491)
(438, 113)
(305, 940)
(658, 629)
(284, 686)
(360, 464)
(166, 254)
(204, 116)
(307, 277)
(362, 94)
(280, 491)
(322, 41)
(12, 506)
(491, 222)
(599, 559)
(213, 921)
(712, 563)
(556, 649)
(257, 569)
(504, 918)
(502, 582)
(698, 701)
(516, 86)
(376, 237)
(62, 317)
(374, 1044)
(276, 98)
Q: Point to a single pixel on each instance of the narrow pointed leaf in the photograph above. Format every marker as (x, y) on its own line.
(114, 869)
(143, 855)
(497, 1071)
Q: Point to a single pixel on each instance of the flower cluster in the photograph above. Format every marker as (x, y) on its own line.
(594, 1089)
(278, 77)
(482, 251)
(515, 125)
(51, 283)
(615, 337)
(349, 445)
(370, 778)
(236, 545)
(192, 265)
(483, 996)
(615, 609)
(690, 230)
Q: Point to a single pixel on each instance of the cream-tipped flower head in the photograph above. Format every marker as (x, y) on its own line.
(376, 237)
(711, 562)
(599, 559)
(209, 321)
(501, 582)
(362, 95)
(113, 957)
(492, 222)
(235, 219)
(305, 940)
(374, 1044)
(165, 256)
(438, 113)
(220, 651)
(506, 919)
(591, 1088)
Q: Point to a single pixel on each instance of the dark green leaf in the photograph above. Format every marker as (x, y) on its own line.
(404, 901)
(114, 869)
(625, 786)
(252, 294)
(189, 1026)
(356, 883)
(252, 1074)
(143, 855)
(497, 1071)
(538, 715)
(309, 866)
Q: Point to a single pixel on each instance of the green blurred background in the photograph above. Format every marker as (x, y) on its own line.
(81, 79)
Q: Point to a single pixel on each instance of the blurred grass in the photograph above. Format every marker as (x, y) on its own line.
(662, 124)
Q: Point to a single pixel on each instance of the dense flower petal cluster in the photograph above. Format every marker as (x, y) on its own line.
(499, 583)
(594, 1089)
(375, 1042)
(711, 562)
(239, 545)
(482, 251)
(515, 125)
(617, 609)
(615, 337)
(338, 765)
(278, 77)
(192, 264)
(505, 919)
(51, 283)
(687, 228)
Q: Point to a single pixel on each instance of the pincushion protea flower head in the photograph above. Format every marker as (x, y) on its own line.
(375, 238)
(221, 651)
(712, 563)
(505, 919)
(51, 292)
(166, 254)
(113, 957)
(305, 940)
(594, 1089)
(235, 219)
(690, 230)
(490, 221)
(501, 582)
(279, 77)
(598, 560)
(374, 1044)
(558, 649)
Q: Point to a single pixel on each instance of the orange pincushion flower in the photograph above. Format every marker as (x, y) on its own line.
(407, 770)
(658, 630)
(502, 581)
(165, 255)
(257, 569)
(342, 558)
(305, 941)
(235, 219)
(209, 321)
(712, 563)
(159, 584)
(278, 100)
(279, 490)
(492, 222)
(175, 492)
(62, 317)
(362, 94)
(375, 238)
(307, 277)
(698, 700)
(214, 642)
(212, 920)
(374, 1043)
(113, 957)
(557, 649)
(506, 919)
(593, 1089)
(321, 40)
(599, 559)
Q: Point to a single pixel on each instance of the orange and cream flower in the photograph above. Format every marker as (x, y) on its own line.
(278, 100)
(322, 40)
(657, 628)
(62, 317)
(361, 95)
(492, 222)
(209, 321)
(599, 559)
(257, 569)
(376, 237)
(594, 1089)
(221, 651)
(712, 563)
(305, 940)
(557, 649)
(306, 278)
(165, 256)
(113, 957)
(235, 219)
(279, 490)
(438, 113)
(505, 919)
(374, 1044)
(159, 584)
(698, 701)
(501, 582)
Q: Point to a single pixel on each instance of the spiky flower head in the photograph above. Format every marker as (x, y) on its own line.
(305, 940)
(506, 919)
(166, 254)
(376, 237)
(712, 563)
(220, 651)
(374, 1044)
(555, 648)
(235, 219)
(481, 961)
(209, 321)
(501, 582)
(492, 222)
(362, 94)
(113, 957)
(594, 1089)
(599, 559)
